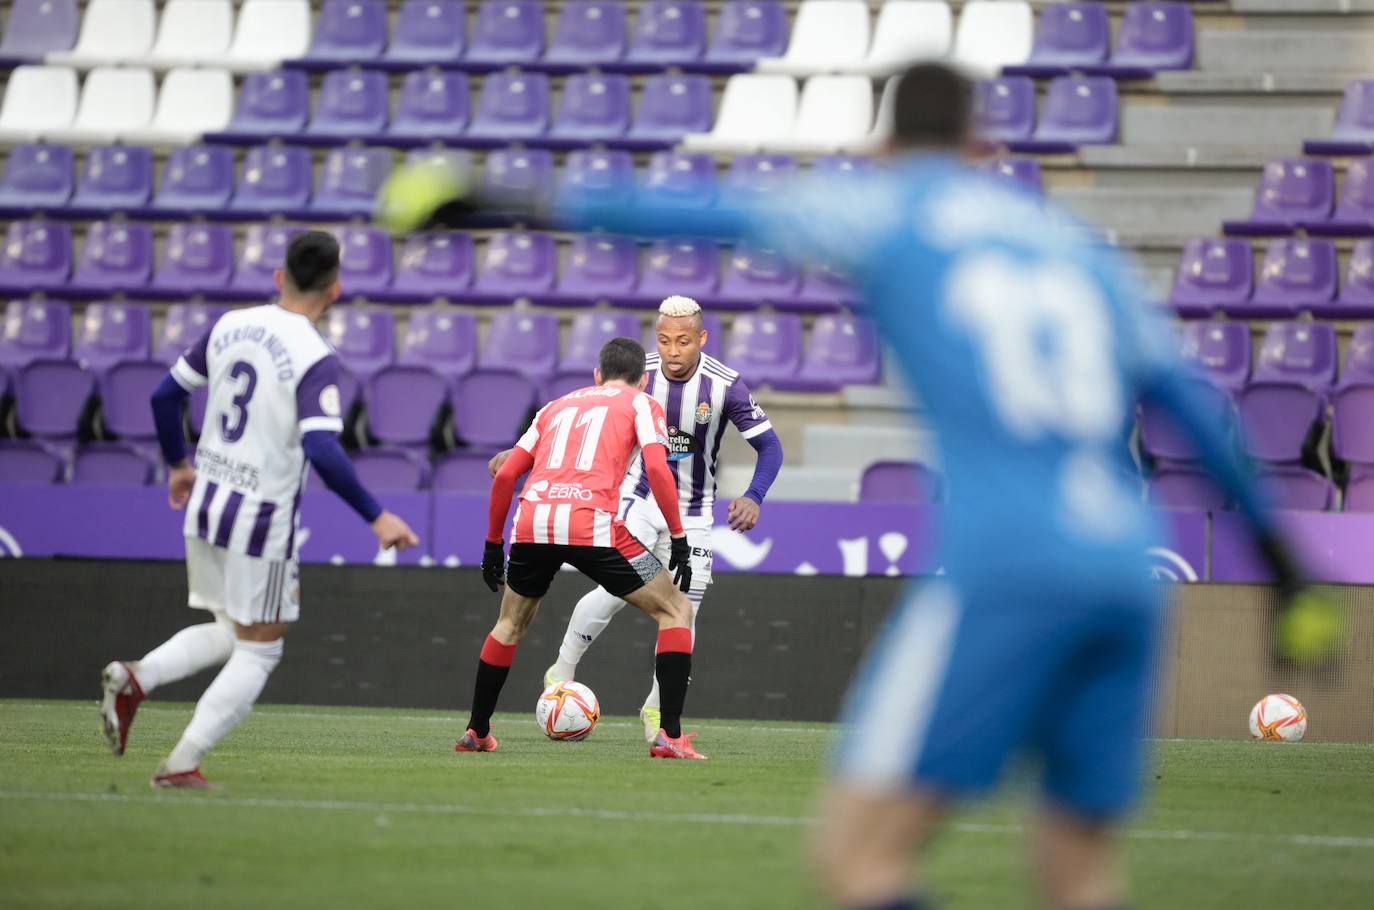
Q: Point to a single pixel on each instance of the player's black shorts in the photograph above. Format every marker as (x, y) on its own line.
(532, 567)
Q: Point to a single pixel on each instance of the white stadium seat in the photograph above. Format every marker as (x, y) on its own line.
(993, 34)
(112, 31)
(754, 110)
(834, 112)
(191, 32)
(828, 36)
(882, 124)
(192, 102)
(907, 31)
(114, 102)
(37, 99)
(268, 32)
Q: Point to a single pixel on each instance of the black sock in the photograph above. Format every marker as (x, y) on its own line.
(492, 669)
(672, 669)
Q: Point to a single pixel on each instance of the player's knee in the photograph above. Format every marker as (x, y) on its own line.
(678, 609)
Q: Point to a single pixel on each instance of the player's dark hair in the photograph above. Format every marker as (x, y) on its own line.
(933, 107)
(622, 358)
(312, 262)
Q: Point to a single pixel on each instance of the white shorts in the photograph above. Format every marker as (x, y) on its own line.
(247, 589)
(646, 523)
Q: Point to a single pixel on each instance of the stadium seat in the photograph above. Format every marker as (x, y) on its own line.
(511, 107)
(1298, 273)
(1291, 192)
(491, 407)
(37, 28)
(432, 106)
(753, 276)
(592, 33)
(899, 481)
(1303, 353)
(460, 471)
(840, 351)
(711, 322)
(746, 31)
(1359, 359)
(1352, 423)
(876, 140)
(29, 462)
(1277, 419)
(670, 107)
(353, 104)
(445, 340)
(1154, 36)
(116, 178)
(37, 178)
(589, 333)
(349, 181)
(1358, 288)
(822, 290)
(192, 102)
(115, 102)
(348, 32)
(827, 36)
(1020, 172)
(907, 31)
(993, 34)
(117, 256)
(1353, 133)
(683, 179)
(757, 176)
(36, 255)
(1003, 109)
(834, 113)
(1359, 491)
(506, 33)
(125, 390)
(183, 326)
(1354, 214)
(754, 110)
(267, 32)
(1213, 274)
(364, 260)
(112, 464)
(1176, 486)
(113, 332)
(521, 341)
(1070, 36)
(1079, 110)
(1219, 350)
(275, 179)
(364, 337)
(520, 174)
(765, 347)
(196, 259)
(196, 180)
(264, 247)
(391, 470)
(515, 264)
(597, 267)
(112, 32)
(841, 165)
(598, 174)
(667, 33)
(427, 32)
(1161, 438)
(689, 266)
(191, 32)
(50, 397)
(432, 265)
(403, 402)
(1296, 488)
(34, 330)
(270, 105)
(38, 99)
(594, 108)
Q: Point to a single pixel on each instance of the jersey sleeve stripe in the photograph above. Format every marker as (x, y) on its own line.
(311, 424)
(186, 375)
(755, 431)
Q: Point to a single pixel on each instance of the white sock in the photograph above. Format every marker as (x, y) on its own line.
(695, 595)
(186, 653)
(226, 702)
(589, 619)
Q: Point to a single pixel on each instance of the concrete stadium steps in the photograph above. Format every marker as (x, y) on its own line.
(1143, 218)
(1217, 135)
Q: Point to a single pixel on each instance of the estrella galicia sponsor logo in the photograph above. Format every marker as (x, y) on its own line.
(1166, 565)
(9, 546)
(681, 445)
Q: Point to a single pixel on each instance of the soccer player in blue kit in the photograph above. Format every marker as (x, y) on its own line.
(1030, 346)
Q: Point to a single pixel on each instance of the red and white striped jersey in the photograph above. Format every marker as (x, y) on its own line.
(581, 444)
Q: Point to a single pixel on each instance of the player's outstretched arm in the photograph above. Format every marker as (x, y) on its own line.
(332, 464)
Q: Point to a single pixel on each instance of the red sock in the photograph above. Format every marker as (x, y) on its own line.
(497, 654)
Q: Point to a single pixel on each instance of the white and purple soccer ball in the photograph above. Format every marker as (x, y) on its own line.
(1278, 718)
(567, 711)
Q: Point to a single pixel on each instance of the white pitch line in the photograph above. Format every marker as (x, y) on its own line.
(787, 821)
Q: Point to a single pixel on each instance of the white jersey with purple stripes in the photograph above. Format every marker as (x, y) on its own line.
(697, 409)
(272, 378)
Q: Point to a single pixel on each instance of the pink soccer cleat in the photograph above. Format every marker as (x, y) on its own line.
(471, 742)
(121, 700)
(665, 746)
(180, 780)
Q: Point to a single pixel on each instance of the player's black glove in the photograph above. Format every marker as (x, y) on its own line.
(680, 564)
(1309, 627)
(494, 564)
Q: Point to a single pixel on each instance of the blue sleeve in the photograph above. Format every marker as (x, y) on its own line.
(769, 449)
(167, 401)
(323, 449)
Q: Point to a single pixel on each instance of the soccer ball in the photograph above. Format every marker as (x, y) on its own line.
(567, 711)
(1278, 718)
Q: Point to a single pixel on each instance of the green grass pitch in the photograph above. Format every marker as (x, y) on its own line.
(371, 808)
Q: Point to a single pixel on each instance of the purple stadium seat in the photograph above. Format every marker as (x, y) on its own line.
(37, 178)
(598, 174)
(36, 254)
(1162, 439)
(264, 248)
(273, 104)
(435, 264)
(519, 174)
(1359, 359)
(754, 276)
(349, 181)
(462, 472)
(521, 341)
(1353, 133)
(667, 33)
(196, 258)
(183, 326)
(1292, 191)
(1354, 215)
(444, 340)
(1213, 273)
(899, 481)
(822, 290)
(594, 108)
(113, 332)
(125, 390)
(392, 470)
(507, 32)
(113, 464)
(1004, 109)
(348, 31)
(589, 333)
(1185, 487)
(50, 396)
(515, 264)
(433, 105)
(687, 179)
(197, 179)
(1277, 419)
(1298, 273)
(117, 256)
(1359, 491)
(587, 34)
(1352, 423)
(37, 28)
(365, 338)
(564, 382)
(1219, 350)
(427, 32)
(841, 351)
(1297, 488)
(758, 175)
(689, 266)
(1019, 172)
(512, 107)
(1079, 110)
(364, 260)
(843, 165)
(597, 267)
(275, 179)
(115, 178)
(1153, 36)
(33, 330)
(1070, 36)
(353, 104)
(403, 402)
(746, 31)
(491, 407)
(1303, 353)
(30, 463)
(765, 347)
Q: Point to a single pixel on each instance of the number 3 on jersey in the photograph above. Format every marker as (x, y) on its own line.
(563, 423)
(231, 429)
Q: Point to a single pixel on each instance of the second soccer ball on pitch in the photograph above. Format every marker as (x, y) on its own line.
(1278, 718)
(567, 711)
